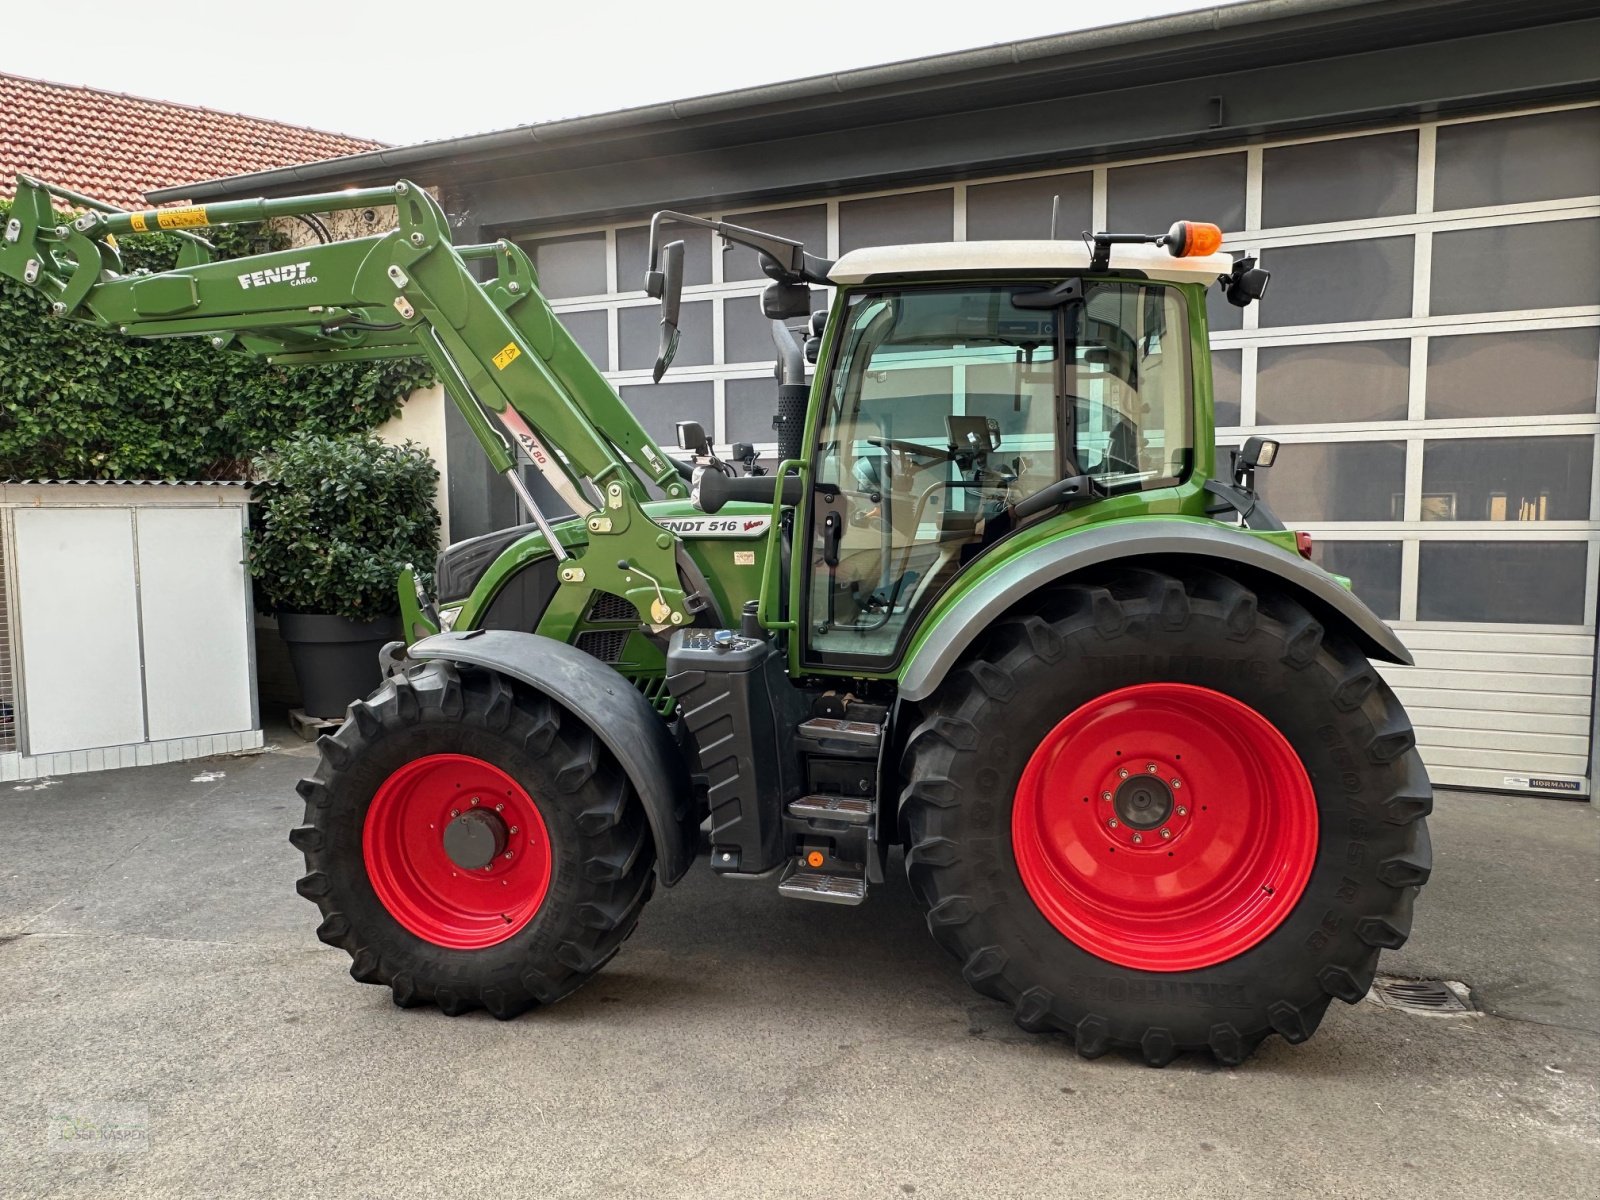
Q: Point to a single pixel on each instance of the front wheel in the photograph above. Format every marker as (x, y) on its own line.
(471, 844)
(1167, 814)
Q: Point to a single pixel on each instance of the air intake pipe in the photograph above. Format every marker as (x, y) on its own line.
(793, 392)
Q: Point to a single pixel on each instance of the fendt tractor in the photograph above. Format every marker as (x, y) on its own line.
(994, 605)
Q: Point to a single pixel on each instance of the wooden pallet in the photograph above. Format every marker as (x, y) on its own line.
(310, 728)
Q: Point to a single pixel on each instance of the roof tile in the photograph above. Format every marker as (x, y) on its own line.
(116, 148)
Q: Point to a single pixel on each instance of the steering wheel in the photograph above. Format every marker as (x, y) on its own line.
(912, 449)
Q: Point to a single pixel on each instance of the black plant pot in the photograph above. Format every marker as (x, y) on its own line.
(335, 659)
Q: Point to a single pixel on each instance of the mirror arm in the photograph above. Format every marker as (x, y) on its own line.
(782, 258)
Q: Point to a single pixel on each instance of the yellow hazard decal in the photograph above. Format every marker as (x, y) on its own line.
(111, 240)
(137, 221)
(507, 356)
(181, 218)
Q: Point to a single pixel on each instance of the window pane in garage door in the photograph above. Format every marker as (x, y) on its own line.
(1535, 583)
(570, 266)
(633, 254)
(1523, 374)
(1347, 179)
(1150, 197)
(1339, 281)
(1333, 381)
(747, 332)
(588, 329)
(660, 406)
(749, 405)
(1547, 156)
(1020, 208)
(1225, 385)
(1507, 479)
(1372, 567)
(1550, 264)
(808, 225)
(639, 335)
(1336, 481)
(891, 220)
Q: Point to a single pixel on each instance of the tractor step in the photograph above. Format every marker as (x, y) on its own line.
(830, 729)
(848, 810)
(801, 883)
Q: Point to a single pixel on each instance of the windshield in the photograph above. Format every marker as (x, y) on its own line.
(947, 405)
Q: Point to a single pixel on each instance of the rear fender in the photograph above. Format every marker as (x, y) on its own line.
(1208, 544)
(613, 709)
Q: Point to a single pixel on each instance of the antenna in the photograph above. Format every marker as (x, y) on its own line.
(1055, 215)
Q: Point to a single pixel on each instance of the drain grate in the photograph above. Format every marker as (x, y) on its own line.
(1423, 997)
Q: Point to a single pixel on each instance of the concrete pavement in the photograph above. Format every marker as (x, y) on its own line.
(154, 955)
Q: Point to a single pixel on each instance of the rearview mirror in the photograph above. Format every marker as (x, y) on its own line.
(667, 285)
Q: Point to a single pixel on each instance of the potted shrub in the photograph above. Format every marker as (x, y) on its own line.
(335, 521)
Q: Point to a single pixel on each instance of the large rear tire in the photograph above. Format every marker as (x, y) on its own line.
(1166, 813)
(471, 844)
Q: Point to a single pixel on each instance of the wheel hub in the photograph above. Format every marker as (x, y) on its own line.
(1143, 801)
(475, 839)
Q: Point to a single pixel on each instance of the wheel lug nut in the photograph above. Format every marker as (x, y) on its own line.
(1122, 773)
(1177, 783)
(1166, 833)
(1105, 795)
(514, 828)
(1138, 838)
(1112, 823)
(1151, 767)
(474, 801)
(509, 853)
(455, 812)
(499, 808)
(1182, 811)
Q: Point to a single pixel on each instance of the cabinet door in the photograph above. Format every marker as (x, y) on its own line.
(78, 607)
(193, 593)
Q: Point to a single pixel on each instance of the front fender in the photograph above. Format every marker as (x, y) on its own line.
(613, 709)
(1209, 544)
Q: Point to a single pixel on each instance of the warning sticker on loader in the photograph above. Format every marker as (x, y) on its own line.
(507, 356)
(181, 218)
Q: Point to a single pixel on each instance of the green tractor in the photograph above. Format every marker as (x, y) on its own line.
(997, 606)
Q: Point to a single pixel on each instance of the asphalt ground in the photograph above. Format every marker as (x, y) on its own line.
(162, 996)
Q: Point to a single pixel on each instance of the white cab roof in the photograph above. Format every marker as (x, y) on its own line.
(1003, 258)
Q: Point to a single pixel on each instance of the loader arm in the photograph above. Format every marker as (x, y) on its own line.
(495, 345)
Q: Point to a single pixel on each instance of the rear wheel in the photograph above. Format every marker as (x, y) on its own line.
(471, 844)
(1168, 814)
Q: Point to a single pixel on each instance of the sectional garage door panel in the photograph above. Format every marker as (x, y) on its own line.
(1493, 708)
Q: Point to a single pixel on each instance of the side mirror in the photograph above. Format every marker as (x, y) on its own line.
(666, 285)
(1245, 283)
(692, 436)
(813, 349)
(784, 301)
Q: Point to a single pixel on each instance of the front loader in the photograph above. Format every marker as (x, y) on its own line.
(997, 607)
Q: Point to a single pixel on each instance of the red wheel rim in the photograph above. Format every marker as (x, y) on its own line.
(432, 894)
(1165, 827)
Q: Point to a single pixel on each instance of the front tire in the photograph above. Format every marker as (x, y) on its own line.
(470, 844)
(1166, 813)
